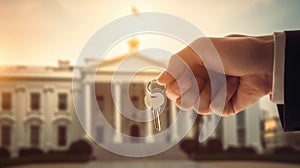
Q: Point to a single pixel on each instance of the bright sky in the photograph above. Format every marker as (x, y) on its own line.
(41, 32)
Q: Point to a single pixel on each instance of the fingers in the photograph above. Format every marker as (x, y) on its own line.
(232, 86)
(202, 105)
(190, 97)
(178, 87)
(178, 63)
(178, 78)
(165, 78)
(198, 96)
(176, 67)
(182, 86)
(173, 91)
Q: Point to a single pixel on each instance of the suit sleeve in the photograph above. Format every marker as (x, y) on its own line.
(289, 113)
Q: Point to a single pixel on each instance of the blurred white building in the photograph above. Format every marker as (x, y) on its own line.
(37, 108)
(272, 133)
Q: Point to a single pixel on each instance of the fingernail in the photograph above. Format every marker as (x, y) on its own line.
(184, 85)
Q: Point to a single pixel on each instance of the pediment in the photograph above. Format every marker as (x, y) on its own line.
(125, 62)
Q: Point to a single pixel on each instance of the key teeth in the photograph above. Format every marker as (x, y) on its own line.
(156, 120)
(155, 108)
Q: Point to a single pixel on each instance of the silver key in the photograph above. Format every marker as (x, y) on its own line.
(156, 101)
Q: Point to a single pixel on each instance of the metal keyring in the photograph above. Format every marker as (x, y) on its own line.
(154, 81)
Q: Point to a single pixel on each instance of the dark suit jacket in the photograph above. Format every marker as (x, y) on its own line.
(290, 112)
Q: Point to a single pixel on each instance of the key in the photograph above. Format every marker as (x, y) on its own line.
(156, 101)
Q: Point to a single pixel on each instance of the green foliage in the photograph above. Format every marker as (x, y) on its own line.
(79, 148)
(4, 153)
(240, 150)
(214, 146)
(27, 152)
(285, 150)
(190, 146)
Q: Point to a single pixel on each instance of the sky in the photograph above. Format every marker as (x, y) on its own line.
(42, 32)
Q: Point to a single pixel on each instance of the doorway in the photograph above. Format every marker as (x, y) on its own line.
(134, 133)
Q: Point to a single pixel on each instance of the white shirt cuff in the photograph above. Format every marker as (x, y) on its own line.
(278, 68)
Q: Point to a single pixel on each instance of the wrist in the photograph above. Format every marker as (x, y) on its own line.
(266, 52)
(269, 62)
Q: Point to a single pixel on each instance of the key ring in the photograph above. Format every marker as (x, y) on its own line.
(154, 81)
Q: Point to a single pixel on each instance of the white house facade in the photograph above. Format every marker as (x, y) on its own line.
(37, 107)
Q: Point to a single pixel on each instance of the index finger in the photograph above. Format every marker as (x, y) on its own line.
(165, 78)
(176, 67)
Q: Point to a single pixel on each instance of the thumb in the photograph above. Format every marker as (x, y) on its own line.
(164, 78)
(175, 68)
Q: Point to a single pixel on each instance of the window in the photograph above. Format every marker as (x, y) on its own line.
(241, 136)
(134, 133)
(100, 101)
(34, 136)
(62, 135)
(6, 101)
(62, 101)
(135, 101)
(5, 135)
(99, 134)
(241, 119)
(241, 129)
(35, 101)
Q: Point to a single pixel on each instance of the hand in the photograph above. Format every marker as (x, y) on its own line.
(248, 66)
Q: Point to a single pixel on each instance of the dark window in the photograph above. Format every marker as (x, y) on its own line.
(241, 119)
(35, 101)
(62, 135)
(241, 131)
(5, 135)
(100, 101)
(6, 100)
(62, 101)
(242, 136)
(135, 133)
(99, 134)
(34, 136)
(135, 101)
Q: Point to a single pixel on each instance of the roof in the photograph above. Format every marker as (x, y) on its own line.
(124, 62)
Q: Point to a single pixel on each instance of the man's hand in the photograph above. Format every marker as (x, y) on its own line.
(248, 66)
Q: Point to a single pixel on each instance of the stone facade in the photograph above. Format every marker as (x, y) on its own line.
(37, 107)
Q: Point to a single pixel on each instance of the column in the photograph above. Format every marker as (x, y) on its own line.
(88, 108)
(149, 127)
(49, 110)
(212, 124)
(173, 116)
(252, 127)
(19, 106)
(76, 125)
(117, 116)
(190, 119)
(229, 131)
